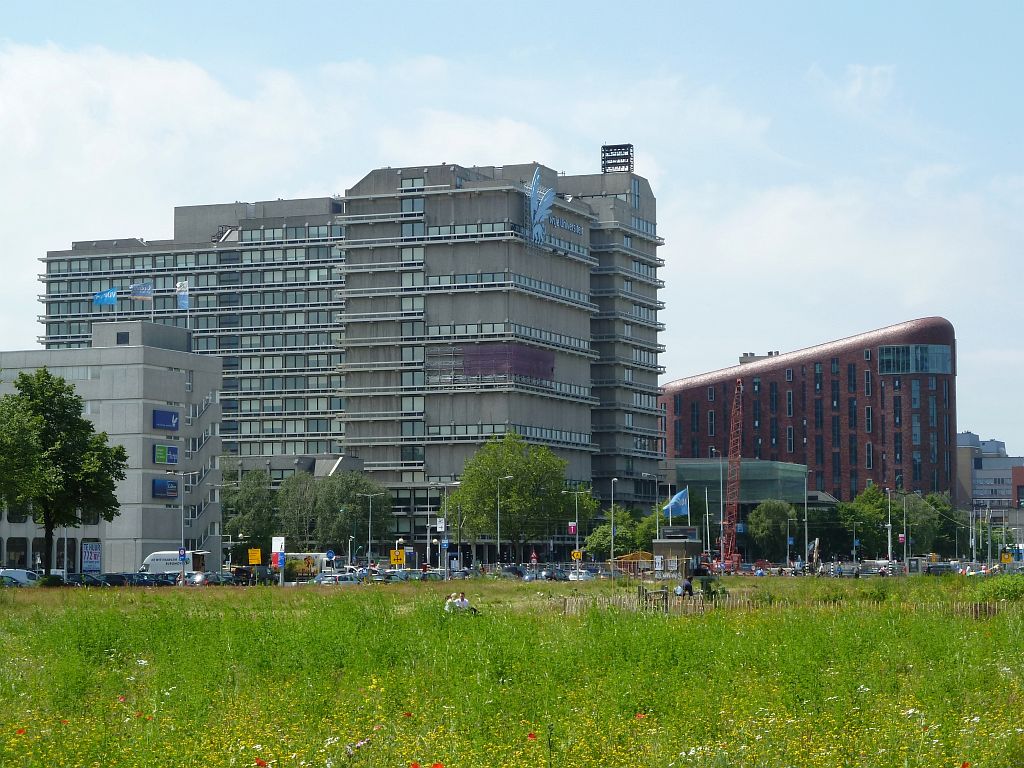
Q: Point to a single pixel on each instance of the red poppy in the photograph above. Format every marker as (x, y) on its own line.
(149, 717)
(407, 714)
(640, 715)
(261, 763)
(531, 737)
(120, 699)
(64, 722)
(965, 764)
(413, 765)
(20, 731)
(437, 765)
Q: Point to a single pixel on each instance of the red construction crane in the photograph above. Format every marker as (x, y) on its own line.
(730, 557)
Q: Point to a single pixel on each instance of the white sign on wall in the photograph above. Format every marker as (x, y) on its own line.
(92, 557)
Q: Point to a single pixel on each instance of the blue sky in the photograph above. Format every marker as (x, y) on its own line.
(821, 170)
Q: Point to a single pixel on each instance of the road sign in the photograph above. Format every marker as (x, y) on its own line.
(444, 543)
(440, 525)
(398, 557)
(903, 538)
(277, 543)
(181, 554)
(572, 528)
(790, 541)
(577, 554)
(255, 557)
(533, 557)
(330, 554)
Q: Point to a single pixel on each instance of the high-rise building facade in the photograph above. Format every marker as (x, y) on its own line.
(879, 407)
(412, 319)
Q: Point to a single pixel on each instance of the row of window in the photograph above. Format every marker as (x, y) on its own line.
(265, 319)
(282, 447)
(306, 383)
(270, 234)
(259, 405)
(486, 228)
(289, 426)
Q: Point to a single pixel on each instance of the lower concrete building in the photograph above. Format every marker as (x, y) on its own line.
(142, 385)
(990, 482)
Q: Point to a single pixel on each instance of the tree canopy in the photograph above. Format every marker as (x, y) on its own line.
(531, 480)
(766, 528)
(312, 513)
(65, 470)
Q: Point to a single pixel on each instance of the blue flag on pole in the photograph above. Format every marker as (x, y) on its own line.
(142, 291)
(680, 503)
(107, 297)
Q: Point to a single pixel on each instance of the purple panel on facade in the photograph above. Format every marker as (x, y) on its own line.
(514, 359)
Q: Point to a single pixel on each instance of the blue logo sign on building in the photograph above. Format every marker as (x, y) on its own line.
(540, 206)
(165, 488)
(166, 421)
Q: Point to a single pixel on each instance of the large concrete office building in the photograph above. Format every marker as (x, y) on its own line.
(411, 319)
(879, 407)
(990, 482)
(142, 386)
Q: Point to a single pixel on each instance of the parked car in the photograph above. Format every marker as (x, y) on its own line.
(554, 574)
(512, 572)
(243, 575)
(336, 579)
(581, 575)
(9, 581)
(117, 579)
(23, 577)
(389, 576)
(207, 579)
(84, 580)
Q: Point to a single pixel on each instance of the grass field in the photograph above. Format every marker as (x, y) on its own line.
(882, 674)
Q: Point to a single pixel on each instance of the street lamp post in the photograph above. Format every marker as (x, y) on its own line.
(906, 536)
(577, 495)
(438, 549)
(807, 545)
(721, 500)
(888, 525)
(789, 558)
(500, 478)
(369, 526)
(181, 502)
(350, 540)
(447, 527)
(612, 558)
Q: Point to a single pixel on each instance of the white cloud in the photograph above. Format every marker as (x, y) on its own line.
(864, 89)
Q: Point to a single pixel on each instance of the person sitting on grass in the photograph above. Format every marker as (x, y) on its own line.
(462, 603)
(450, 604)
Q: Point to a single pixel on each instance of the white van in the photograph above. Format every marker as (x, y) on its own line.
(166, 561)
(23, 577)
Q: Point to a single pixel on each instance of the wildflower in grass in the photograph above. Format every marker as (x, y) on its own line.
(20, 731)
(377, 727)
(414, 765)
(531, 737)
(640, 715)
(407, 714)
(120, 698)
(261, 763)
(437, 765)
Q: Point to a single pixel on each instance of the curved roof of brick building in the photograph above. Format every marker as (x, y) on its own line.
(925, 330)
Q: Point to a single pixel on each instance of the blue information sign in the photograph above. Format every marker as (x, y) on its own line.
(444, 543)
(165, 488)
(181, 554)
(790, 541)
(330, 554)
(166, 421)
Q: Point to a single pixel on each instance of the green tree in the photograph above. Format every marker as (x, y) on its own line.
(22, 470)
(72, 471)
(599, 542)
(870, 512)
(343, 510)
(766, 528)
(297, 511)
(531, 497)
(252, 503)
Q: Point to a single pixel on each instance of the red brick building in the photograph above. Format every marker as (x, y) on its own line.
(876, 408)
